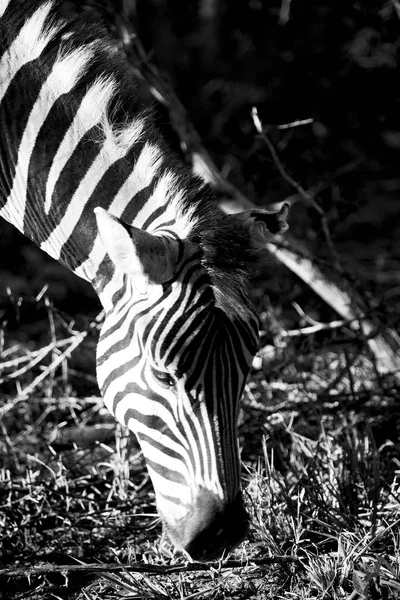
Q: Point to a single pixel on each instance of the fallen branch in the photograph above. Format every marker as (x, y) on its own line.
(144, 568)
(383, 342)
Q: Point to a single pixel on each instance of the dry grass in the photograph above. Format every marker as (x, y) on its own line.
(319, 432)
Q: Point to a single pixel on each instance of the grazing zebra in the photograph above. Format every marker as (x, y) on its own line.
(86, 176)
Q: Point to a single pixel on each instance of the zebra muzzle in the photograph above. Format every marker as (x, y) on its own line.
(212, 529)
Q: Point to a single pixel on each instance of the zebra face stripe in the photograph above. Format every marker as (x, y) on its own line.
(172, 367)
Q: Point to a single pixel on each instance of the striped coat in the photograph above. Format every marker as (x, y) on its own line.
(86, 175)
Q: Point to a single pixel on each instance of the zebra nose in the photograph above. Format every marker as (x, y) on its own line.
(212, 528)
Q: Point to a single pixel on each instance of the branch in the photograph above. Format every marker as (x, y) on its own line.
(73, 342)
(144, 568)
(314, 328)
(383, 342)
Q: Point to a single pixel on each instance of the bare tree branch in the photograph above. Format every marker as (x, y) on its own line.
(334, 289)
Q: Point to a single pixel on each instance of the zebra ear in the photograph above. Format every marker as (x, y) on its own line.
(134, 251)
(262, 224)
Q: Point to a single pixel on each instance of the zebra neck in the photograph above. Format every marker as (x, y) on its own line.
(75, 135)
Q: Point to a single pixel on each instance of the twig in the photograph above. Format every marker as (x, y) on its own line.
(308, 198)
(314, 328)
(25, 392)
(384, 342)
(342, 298)
(76, 340)
(145, 568)
(34, 358)
(344, 370)
(297, 123)
(53, 338)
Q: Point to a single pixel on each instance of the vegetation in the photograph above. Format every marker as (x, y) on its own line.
(321, 476)
(319, 427)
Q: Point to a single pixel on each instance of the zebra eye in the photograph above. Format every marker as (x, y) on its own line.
(164, 378)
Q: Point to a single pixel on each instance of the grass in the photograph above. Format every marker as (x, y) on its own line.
(321, 474)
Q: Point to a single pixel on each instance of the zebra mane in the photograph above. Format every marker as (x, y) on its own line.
(230, 260)
(91, 59)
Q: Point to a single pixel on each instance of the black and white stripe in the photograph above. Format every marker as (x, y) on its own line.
(178, 338)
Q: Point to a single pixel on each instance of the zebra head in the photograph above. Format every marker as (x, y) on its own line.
(174, 352)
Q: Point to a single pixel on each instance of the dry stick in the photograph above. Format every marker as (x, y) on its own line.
(307, 198)
(25, 392)
(342, 297)
(76, 341)
(33, 358)
(53, 336)
(304, 195)
(143, 568)
(314, 328)
(383, 342)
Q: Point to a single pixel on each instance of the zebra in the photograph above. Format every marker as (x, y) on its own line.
(86, 174)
